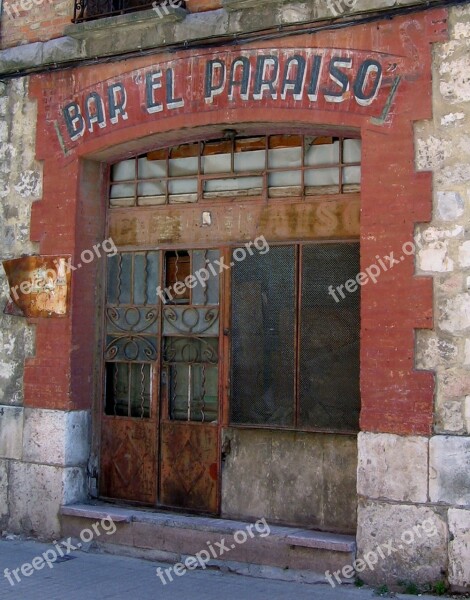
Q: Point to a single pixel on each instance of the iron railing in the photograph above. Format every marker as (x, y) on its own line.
(88, 10)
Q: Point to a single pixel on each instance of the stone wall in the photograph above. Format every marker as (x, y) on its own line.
(28, 21)
(403, 481)
(42, 453)
(317, 471)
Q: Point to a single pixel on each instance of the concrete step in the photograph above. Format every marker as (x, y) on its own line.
(257, 548)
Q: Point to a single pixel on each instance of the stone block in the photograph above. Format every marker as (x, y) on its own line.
(467, 413)
(449, 415)
(464, 254)
(450, 205)
(412, 540)
(454, 314)
(433, 351)
(61, 49)
(55, 437)
(435, 258)
(11, 432)
(20, 57)
(36, 493)
(449, 469)
(393, 467)
(459, 549)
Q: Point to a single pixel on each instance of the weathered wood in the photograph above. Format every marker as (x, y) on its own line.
(330, 218)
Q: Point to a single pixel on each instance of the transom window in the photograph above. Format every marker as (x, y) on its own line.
(267, 167)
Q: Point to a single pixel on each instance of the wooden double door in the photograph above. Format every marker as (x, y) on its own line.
(162, 379)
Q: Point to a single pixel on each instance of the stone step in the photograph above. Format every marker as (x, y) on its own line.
(257, 548)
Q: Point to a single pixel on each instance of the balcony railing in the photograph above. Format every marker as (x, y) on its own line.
(87, 10)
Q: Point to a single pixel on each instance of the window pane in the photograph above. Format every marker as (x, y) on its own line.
(128, 390)
(329, 338)
(322, 154)
(217, 163)
(151, 169)
(263, 325)
(319, 177)
(352, 151)
(184, 166)
(234, 185)
(284, 158)
(250, 161)
(117, 389)
(206, 293)
(124, 170)
(151, 188)
(193, 378)
(123, 190)
(352, 175)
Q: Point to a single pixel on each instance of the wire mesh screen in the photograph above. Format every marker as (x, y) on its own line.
(329, 338)
(263, 334)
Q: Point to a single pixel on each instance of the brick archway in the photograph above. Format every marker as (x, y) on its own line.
(70, 217)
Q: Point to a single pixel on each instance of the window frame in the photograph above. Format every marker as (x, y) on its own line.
(296, 427)
(226, 248)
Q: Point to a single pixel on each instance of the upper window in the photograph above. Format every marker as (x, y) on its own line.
(267, 167)
(87, 10)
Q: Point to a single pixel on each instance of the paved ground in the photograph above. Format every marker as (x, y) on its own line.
(91, 576)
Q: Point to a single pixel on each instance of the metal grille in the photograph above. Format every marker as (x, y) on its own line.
(128, 390)
(87, 10)
(295, 351)
(190, 330)
(132, 327)
(329, 338)
(263, 327)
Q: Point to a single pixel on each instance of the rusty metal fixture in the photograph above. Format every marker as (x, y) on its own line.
(39, 286)
(88, 10)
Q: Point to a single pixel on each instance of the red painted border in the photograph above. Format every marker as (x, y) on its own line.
(395, 397)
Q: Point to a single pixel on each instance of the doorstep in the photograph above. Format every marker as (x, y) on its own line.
(290, 553)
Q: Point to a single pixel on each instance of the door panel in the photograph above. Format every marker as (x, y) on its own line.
(128, 459)
(189, 475)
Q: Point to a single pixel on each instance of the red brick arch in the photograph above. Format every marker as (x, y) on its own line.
(71, 216)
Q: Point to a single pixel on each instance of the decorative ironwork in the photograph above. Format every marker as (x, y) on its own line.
(132, 319)
(130, 348)
(87, 10)
(190, 320)
(191, 350)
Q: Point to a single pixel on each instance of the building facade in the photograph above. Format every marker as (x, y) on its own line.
(238, 270)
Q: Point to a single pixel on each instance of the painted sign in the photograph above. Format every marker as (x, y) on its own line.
(39, 286)
(303, 220)
(350, 81)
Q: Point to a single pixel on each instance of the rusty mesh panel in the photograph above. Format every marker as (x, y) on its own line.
(329, 339)
(263, 305)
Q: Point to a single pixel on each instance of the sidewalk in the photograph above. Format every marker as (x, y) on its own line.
(92, 576)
